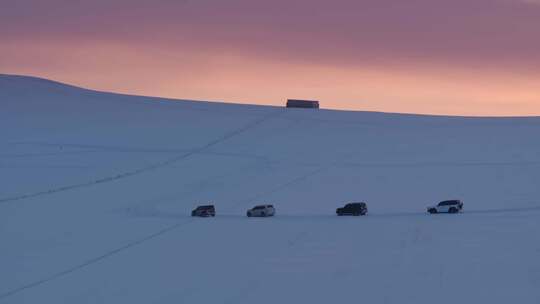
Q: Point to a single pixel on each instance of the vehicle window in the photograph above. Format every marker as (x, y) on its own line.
(258, 207)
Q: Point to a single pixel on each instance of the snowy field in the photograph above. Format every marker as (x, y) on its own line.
(96, 191)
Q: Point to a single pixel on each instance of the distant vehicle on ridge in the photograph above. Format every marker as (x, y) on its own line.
(450, 206)
(204, 211)
(353, 209)
(300, 103)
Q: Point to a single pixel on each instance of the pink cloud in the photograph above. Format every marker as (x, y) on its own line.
(147, 47)
(478, 32)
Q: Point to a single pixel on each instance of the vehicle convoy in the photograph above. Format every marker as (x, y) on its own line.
(204, 211)
(352, 209)
(261, 211)
(450, 206)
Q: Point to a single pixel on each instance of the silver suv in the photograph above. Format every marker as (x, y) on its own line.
(261, 211)
(451, 206)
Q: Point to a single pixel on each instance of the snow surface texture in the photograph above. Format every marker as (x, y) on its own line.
(96, 191)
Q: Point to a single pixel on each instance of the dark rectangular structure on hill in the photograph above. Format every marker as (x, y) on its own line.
(299, 103)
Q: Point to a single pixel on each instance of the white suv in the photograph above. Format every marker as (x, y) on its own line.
(452, 206)
(261, 211)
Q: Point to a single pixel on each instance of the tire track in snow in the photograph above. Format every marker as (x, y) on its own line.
(94, 260)
(300, 238)
(148, 168)
(45, 154)
(441, 164)
(280, 186)
(119, 149)
(142, 240)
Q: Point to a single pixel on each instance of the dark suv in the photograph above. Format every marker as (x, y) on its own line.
(204, 211)
(352, 209)
(261, 211)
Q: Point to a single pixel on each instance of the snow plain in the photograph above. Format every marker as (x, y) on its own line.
(96, 190)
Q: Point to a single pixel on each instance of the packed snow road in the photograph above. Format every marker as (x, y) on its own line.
(131, 239)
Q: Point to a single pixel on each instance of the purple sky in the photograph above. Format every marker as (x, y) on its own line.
(488, 38)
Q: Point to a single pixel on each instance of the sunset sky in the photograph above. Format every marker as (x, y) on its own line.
(458, 57)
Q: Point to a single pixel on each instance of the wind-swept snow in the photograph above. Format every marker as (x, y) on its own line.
(96, 191)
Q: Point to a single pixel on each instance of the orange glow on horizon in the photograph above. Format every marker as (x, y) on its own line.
(251, 79)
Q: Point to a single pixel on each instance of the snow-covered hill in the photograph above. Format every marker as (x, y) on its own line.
(96, 191)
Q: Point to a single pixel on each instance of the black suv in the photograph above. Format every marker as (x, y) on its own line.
(204, 211)
(352, 209)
